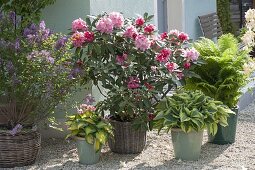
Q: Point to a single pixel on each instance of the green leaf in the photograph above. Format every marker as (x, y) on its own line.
(97, 145)
(89, 138)
(89, 130)
(88, 21)
(101, 125)
(81, 124)
(101, 136)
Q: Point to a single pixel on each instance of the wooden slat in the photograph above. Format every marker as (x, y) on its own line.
(210, 25)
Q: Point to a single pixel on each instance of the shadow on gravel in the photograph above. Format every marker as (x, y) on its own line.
(209, 153)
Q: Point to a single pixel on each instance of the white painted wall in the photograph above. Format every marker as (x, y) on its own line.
(183, 15)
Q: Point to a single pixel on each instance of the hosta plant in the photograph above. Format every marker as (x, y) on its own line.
(191, 111)
(88, 124)
(226, 71)
(132, 61)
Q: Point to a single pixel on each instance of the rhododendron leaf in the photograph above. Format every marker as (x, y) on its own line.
(88, 21)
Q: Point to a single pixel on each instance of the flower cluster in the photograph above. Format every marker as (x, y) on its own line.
(134, 63)
(35, 65)
(249, 36)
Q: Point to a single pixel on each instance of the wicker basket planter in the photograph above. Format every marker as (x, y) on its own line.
(19, 150)
(126, 139)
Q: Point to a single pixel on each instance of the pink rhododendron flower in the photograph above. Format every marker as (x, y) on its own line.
(171, 66)
(191, 54)
(105, 25)
(149, 28)
(89, 36)
(78, 39)
(117, 19)
(142, 42)
(163, 35)
(79, 24)
(164, 55)
(166, 51)
(183, 36)
(84, 107)
(174, 32)
(133, 83)
(120, 59)
(139, 21)
(186, 65)
(130, 32)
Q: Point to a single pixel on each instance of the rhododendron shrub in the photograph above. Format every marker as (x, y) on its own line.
(134, 63)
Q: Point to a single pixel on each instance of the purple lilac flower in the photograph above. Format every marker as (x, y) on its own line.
(36, 34)
(89, 99)
(42, 25)
(61, 43)
(74, 73)
(15, 80)
(50, 59)
(16, 129)
(12, 17)
(10, 67)
(17, 44)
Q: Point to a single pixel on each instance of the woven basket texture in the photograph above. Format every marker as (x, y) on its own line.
(19, 150)
(127, 140)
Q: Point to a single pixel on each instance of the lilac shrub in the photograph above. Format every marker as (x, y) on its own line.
(35, 65)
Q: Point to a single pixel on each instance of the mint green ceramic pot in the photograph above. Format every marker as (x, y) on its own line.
(86, 152)
(187, 146)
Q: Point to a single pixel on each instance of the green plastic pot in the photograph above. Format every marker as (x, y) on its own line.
(86, 152)
(226, 135)
(187, 146)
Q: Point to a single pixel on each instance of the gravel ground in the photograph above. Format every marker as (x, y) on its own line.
(158, 154)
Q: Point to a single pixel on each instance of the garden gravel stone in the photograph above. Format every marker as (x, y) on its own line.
(158, 153)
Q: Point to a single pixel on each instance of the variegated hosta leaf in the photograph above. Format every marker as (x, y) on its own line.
(101, 136)
(97, 145)
(90, 139)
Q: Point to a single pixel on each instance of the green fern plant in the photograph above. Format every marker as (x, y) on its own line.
(222, 76)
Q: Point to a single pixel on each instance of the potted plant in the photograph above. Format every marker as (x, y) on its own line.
(187, 114)
(37, 73)
(135, 66)
(90, 131)
(226, 71)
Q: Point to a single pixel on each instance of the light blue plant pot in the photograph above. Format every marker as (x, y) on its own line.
(86, 152)
(187, 146)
